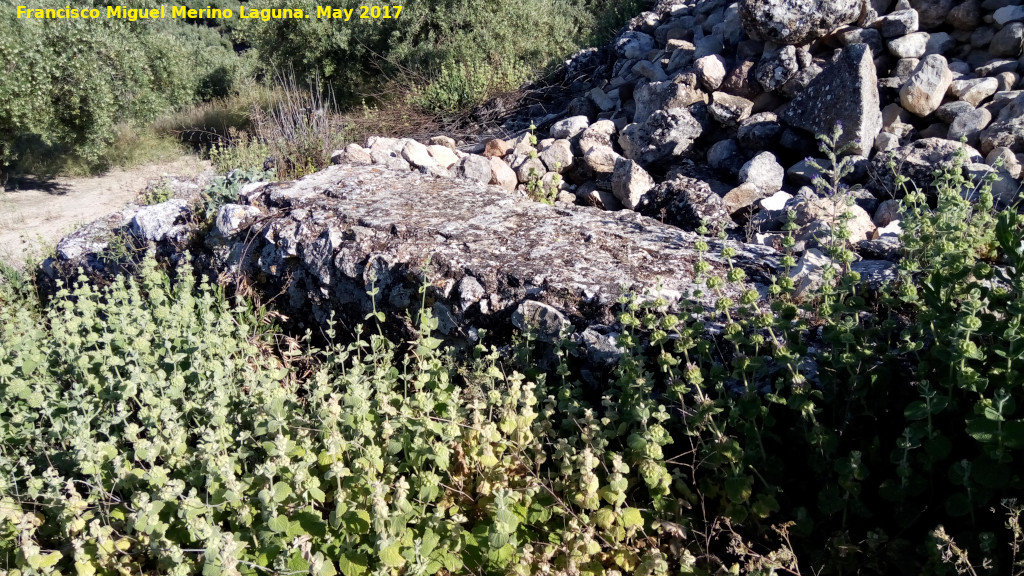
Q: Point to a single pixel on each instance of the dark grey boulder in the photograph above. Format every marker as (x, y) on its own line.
(687, 203)
(796, 21)
(917, 161)
(846, 93)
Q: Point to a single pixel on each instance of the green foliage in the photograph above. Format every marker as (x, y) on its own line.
(152, 426)
(225, 189)
(157, 193)
(75, 78)
(447, 55)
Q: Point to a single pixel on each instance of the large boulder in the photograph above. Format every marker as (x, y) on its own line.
(846, 93)
(666, 134)
(1008, 128)
(917, 161)
(796, 21)
(323, 241)
(687, 203)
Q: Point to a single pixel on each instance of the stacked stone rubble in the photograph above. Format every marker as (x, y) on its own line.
(705, 111)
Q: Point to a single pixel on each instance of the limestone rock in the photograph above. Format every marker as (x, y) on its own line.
(630, 182)
(497, 147)
(530, 169)
(665, 134)
(601, 159)
(760, 131)
(664, 95)
(356, 154)
(539, 318)
(974, 92)
(809, 270)
(569, 127)
(1008, 41)
(445, 141)
(1007, 129)
(816, 209)
(846, 93)
(728, 109)
(558, 156)
(417, 154)
(154, 223)
(686, 203)
(1007, 14)
(931, 13)
(443, 155)
(601, 99)
(231, 218)
(475, 167)
(599, 133)
(898, 23)
(742, 196)
(910, 46)
(887, 211)
(916, 161)
(923, 92)
(649, 70)
(710, 71)
(969, 125)
(633, 44)
(777, 68)
(763, 172)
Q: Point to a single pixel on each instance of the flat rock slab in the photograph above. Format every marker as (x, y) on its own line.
(328, 237)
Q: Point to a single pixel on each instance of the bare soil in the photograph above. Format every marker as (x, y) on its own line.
(35, 214)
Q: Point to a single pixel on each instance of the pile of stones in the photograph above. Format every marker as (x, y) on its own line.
(709, 111)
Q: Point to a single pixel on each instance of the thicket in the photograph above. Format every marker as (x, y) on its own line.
(157, 425)
(72, 87)
(69, 84)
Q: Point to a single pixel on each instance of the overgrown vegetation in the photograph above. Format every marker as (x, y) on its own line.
(160, 426)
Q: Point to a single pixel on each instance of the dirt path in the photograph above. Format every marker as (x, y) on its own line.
(34, 217)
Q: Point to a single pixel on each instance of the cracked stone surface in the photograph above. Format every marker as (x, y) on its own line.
(324, 240)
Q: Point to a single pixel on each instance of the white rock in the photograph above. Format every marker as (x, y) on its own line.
(630, 182)
(569, 127)
(764, 172)
(417, 154)
(776, 201)
(443, 155)
(923, 91)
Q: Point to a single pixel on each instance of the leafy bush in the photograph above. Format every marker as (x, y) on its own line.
(447, 55)
(153, 427)
(75, 78)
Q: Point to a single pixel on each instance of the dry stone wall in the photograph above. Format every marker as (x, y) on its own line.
(699, 113)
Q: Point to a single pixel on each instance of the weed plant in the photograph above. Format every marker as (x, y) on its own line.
(161, 427)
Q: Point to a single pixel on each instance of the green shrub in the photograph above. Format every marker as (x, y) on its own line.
(447, 55)
(76, 78)
(152, 426)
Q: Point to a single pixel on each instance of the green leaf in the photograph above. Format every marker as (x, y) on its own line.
(983, 430)
(917, 410)
(631, 517)
(392, 556)
(42, 561)
(281, 492)
(311, 523)
(279, 524)
(604, 518)
(357, 521)
(353, 563)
